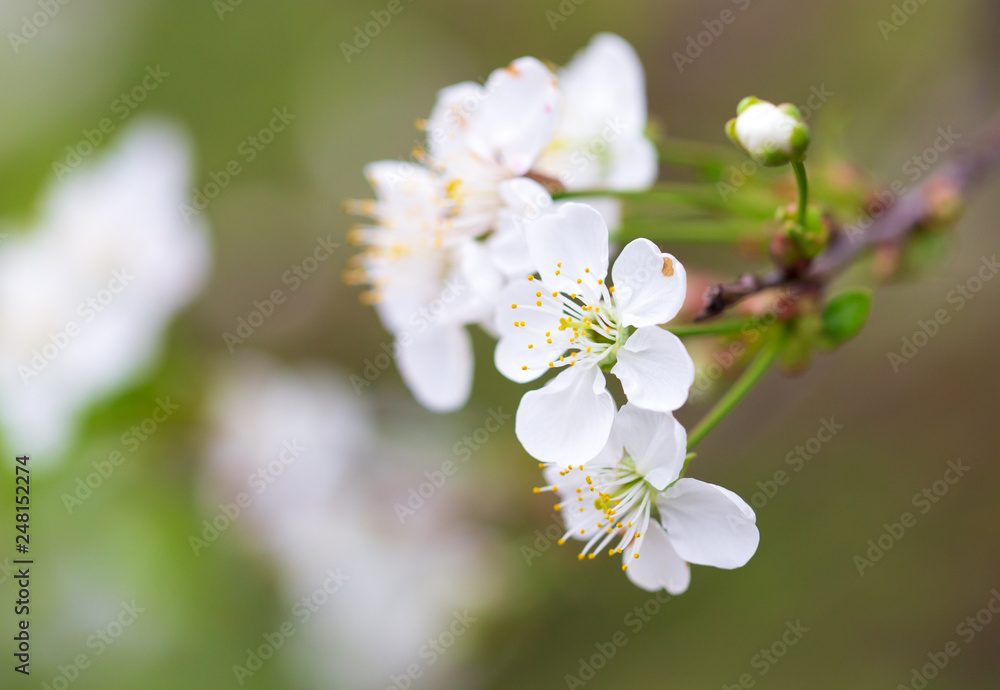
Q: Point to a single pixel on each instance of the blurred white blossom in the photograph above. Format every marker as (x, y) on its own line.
(325, 509)
(87, 293)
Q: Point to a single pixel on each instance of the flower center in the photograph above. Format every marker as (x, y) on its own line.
(605, 502)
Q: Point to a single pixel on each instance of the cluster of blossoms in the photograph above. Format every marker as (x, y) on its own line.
(472, 235)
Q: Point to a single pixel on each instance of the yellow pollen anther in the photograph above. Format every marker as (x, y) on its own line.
(524, 367)
(537, 490)
(591, 556)
(513, 306)
(635, 555)
(561, 542)
(579, 280)
(531, 277)
(586, 270)
(580, 556)
(624, 567)
(538, 294)
(538, 303)
(557, 272)
(531, 346)
(668, 266)
(559, 265)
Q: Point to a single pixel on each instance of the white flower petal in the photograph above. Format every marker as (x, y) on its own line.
(658, 566)
(436, 365)
(604, 82)
(448, 124)
(656, 442)
(525, 197)
(512, 353)
(609, 208)
(524, 202)
(600, 139)
(569, 419)
(655, 369)
(570, 245)
(517, 116)
(708, 525)
(633, 164)
(650, 286)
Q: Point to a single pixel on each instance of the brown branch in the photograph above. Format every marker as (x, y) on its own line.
(951, 184)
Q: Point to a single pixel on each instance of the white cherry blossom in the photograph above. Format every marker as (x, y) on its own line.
(569, 318)
(631, 500)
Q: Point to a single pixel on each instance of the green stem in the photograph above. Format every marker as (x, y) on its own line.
(712, 328)
(708, 230)
(749, 203)
(753, 374)
(803, 182)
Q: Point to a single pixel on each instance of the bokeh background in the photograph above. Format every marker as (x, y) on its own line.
(229, 65)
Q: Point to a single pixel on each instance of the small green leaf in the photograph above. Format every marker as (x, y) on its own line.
(846, 314)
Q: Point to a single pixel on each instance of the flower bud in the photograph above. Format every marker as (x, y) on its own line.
(772, 134)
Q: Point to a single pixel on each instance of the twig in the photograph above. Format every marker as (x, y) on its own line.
(953, 182)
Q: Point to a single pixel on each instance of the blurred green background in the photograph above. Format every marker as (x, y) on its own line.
(226, 73)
